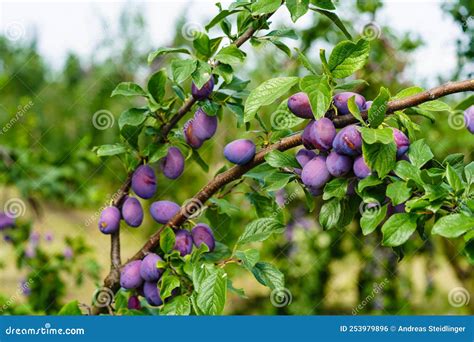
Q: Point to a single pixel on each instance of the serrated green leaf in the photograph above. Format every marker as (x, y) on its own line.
(128, 89)
(407, 92)
(182, 69)
(297, 8)
(111, 150)
(354, 109)
(268, 275)
(454, 179)
(419, 153)
(168, 282)
(212, 292)
(167, 240)
(398, 192)
(330, 214)
(157, 85)
(398, 229)
(336, 188)
(70, 309)
(435, 106)
(453, 226)
(260, 229)
(178, 306)
(249, 257)
(132, 117)
(370, 219)
(163, 51)
(277, 180)
(378, 109)
(202, 74)
(319, 93)
(375, 135)
(281, 159)
(230, 55)
(335, 19)
(265, 6)
(380, 158)
(347, 57)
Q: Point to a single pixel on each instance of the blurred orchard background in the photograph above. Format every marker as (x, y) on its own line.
(59, 63)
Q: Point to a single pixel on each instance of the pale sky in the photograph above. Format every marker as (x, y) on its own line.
(76, 26)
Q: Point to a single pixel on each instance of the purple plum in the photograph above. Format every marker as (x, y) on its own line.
(6, 221)
(340, 102)
(132, 212)
(319, 134)
(315, 192)
(134, 303)
(148, 269)
(307, 136)
(469, 119)
(144, 182)
(130, 275)
(240, 151)
(361, 169)
(315, 173)
(348, 141)
(303, 156)
(204, 126)
(152, 293)
(190, 137)
(202, 233)
(109, 221)
(163, 211)
(338, 164)
(184, 242)
(172, 165)
(299, 105)
(402, 142)
(204, 92)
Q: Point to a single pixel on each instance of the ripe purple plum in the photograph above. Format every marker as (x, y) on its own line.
(303, 156)
(469, 119)
(184, 242)
(130, 275)
(6, 221)
(315, 192)
(204, 125)
(340, 101)
(361, 169)
(132, 212)
(134, 303)
(204, 92)
(307, 136)
(163, 211)
(338, 164)
(152, 293)
(189, 135)
(172, 165)
(319, 134)
(148, 269)
(299, 105)
(348, 141)
(202, 233)
(109, 221)
(402, 142)
(144, 182)
(315, 173)
(240, 151)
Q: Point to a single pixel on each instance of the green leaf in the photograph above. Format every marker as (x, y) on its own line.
(469, 173)
(374, 135)
(182, 69)
(212, 291)
(202, 74)
(111, 150)
(224, 206)
(304, 61)
(267, 93)
(336, 188)
(419, 153)
(283, 119)
(325, 4)
(368, 182)
(371, 218)
(225, 71)
(435, 106)
(348, 57)
(297, 8)
(465, 104)
(407, 171)
(178, 306)
(378, 109)
(407, 92)
(268, 275)
(167, 240)
(454, 179)
(132, 117)
(249, 257)
(354, 109)
(201, 162)
(330, 214)
(281, 159)
(168, 282)
(222, 14)
(163, 51)
(202, 44)
(260, 230)
(335, 19)
(157, 85)
(230, 55)
(128, 89)
(155, 152)
(319, 93)
(380, 158)
(70, 309)
(351, 85)
(265, 6)
(277, 180)
(453, 226)
(130, 134)
(398, 229)
(398, 192)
